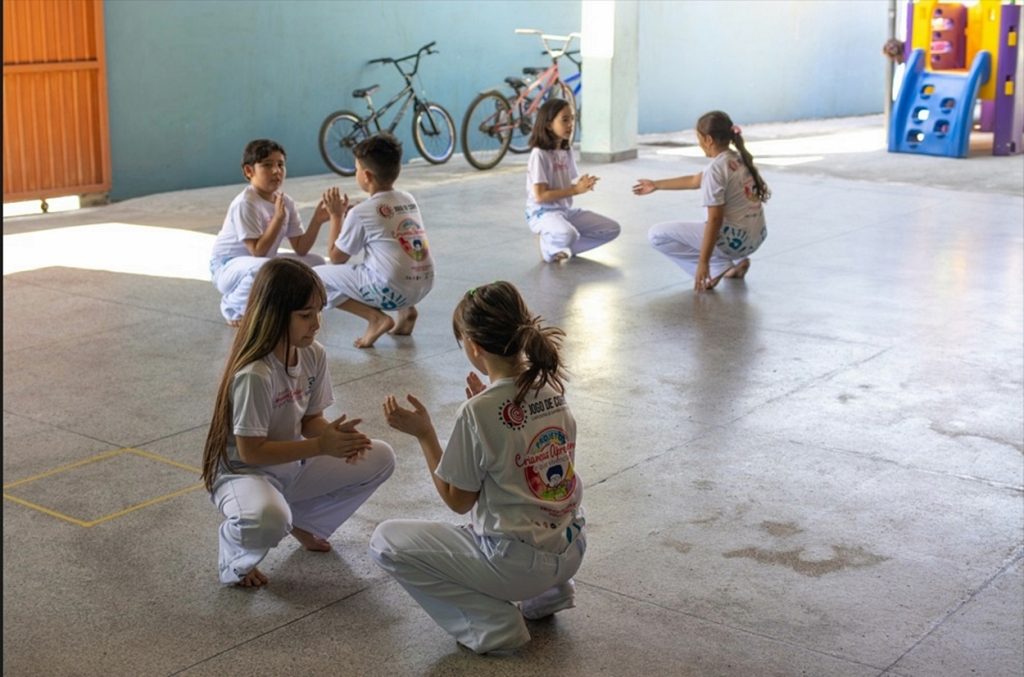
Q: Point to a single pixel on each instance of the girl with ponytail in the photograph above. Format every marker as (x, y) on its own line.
(733, 192)
(511, 460)
(272, 463)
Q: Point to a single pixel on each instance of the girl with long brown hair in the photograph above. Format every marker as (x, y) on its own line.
(733, 192)
(551, 182)
(272, 463)
(511, 461)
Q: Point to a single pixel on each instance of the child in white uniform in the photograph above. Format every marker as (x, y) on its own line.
(397, 269)
(511, 460)
(259, 218)
(551, 182)
(272, 463)
(733, 192)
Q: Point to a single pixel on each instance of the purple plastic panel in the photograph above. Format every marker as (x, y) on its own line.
(1005, 72)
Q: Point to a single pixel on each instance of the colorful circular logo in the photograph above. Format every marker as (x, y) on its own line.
(548, 465)
(512, 415)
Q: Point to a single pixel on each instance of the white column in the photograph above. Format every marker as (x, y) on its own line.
(608, 130)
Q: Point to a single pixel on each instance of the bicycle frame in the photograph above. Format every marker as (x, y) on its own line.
(546, 80)
(409, 91)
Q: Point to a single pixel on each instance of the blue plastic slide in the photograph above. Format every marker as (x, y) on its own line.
(934, 112)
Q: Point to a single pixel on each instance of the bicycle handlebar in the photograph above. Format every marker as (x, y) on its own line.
(566, 40)
(425, 48)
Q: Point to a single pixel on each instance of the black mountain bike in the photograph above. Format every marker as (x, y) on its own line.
(433, 129)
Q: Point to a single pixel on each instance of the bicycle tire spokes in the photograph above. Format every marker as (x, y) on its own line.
(433, 126)
(486, 130)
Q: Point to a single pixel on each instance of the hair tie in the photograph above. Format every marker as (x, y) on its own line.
(471, 292)
(736, 130)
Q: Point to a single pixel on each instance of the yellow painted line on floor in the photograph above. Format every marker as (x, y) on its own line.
(51, 513)
(145, 504)
(156, 457)
(92, 459)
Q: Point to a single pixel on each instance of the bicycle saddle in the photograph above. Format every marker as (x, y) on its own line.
(515, 83)
(534, 70)
(360, 93)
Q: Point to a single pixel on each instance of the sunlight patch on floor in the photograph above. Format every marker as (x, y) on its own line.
(114, 247)
(783, 152)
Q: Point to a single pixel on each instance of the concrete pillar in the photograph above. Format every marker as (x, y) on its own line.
(608, 129)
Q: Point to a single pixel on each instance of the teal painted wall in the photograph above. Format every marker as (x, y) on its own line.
(191, 81)
(759, 60)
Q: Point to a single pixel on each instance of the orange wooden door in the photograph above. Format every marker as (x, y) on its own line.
(56, 133)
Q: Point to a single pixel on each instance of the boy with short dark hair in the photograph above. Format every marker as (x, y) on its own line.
(258, 219)
(397, 271)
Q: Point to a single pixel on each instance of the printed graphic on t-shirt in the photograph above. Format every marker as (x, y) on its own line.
(512, 415)
(288, 395)
(413, 239)
(548, 465)
(387, 298)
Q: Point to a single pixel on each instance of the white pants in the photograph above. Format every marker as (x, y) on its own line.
(319, 495)
(681, 241)
(467, 582)
(233, 279)
(571, 231)
(353, 281)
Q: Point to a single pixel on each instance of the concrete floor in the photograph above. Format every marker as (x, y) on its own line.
(817, 471)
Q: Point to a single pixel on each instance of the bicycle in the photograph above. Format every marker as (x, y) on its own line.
(491, 118)
(433, 128)
(520, 142)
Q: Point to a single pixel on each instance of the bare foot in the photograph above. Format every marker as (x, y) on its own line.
(253, 579)
(739, 270)
(310, 541)
(406, 321)
(235, 323)
(560, 257)
(378, 325)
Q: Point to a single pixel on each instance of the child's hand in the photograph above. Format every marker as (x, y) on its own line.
(702, 278)
(335, 202)
(415, 421)
(321, 214)
(279, 205)
(585, 183)
(341, 439)
(474, 386)
(644, 187)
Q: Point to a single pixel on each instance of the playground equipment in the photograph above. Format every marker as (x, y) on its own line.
(957, 53)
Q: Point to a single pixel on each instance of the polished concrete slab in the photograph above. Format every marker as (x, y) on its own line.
(816, 471)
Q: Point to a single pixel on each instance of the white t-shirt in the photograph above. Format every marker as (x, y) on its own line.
(388, 226)
(556, 168)
(727, 181)
(270, 401)
(247, 219)
(521, 460)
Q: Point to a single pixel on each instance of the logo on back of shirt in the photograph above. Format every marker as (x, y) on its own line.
(385, 211)
(413, 239)
(548, 465)
(512, 415)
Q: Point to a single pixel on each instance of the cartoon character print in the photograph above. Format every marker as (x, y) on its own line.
(548, 465)
(413, 239)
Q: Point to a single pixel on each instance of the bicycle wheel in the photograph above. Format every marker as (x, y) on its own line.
(522, 128)
(433, 132)
(339, 134)
(486, 130)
